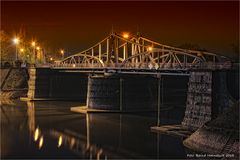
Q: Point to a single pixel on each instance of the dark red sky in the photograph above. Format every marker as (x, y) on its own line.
(76, 25)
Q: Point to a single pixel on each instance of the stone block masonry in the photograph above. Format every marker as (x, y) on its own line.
(47, 84)
(199, 100)
(208, 96)
(13, 83)
(121, 93)
(39, 83)
(219, 136)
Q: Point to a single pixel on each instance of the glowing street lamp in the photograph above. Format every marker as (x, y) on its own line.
(16, 42)
(126, 35)
(62, 53)
(150, 49)
(33, 43)
(34, 53)
(22, 50)
(39, 53)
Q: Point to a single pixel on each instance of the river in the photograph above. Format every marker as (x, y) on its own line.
(50, 130)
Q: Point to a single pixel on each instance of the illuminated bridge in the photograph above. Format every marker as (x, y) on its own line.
(132, 73)
(140, 54)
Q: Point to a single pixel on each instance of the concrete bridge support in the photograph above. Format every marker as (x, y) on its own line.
(108, 92)
(220, 135)
(38, 83)
(199, 99)
(207, 97)
(103, 93)
(122, 93)
(48, 84)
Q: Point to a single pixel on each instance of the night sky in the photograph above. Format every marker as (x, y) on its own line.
(77, 25)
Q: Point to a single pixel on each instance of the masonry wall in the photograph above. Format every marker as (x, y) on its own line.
(13, 82)
(39, 83)
(199, 100)
(135, 92)
(51, 84)
(208, 96)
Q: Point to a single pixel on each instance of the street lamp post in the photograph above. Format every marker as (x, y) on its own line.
(23, 56)
(16, 41)
(62, 53)
(34, 55)
(21, 52)
(38, 49)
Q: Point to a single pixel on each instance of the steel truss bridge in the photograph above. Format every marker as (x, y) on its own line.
(137, 53)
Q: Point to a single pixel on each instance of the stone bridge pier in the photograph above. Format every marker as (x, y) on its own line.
(48, 84)
(205, 93)
(117, 92)
(209, 94)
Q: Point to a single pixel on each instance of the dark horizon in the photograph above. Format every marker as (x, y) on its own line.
(77, 25)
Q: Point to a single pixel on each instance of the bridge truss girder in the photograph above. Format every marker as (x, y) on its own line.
(140, 52)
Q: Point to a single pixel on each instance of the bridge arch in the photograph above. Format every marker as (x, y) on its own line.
(154, 59)
(117, 51)
(82, 60)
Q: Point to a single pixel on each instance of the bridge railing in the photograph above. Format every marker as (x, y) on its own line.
(157, 66)
(78, 65)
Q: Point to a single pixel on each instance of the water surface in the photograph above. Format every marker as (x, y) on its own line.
(51, 130)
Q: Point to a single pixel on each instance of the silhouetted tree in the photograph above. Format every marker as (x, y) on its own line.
(7, 48)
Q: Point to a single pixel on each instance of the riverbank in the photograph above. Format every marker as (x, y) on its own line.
(219, 136)
(14, 82)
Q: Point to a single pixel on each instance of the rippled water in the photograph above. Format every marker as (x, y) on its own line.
(51, 130)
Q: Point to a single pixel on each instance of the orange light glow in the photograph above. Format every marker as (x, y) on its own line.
(40, 142)
(126, 35)
(16, 40)
(36, 134)
(150, 48)
(33, 43)
(60, 141)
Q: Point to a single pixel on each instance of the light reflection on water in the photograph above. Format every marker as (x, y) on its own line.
(51, 130)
